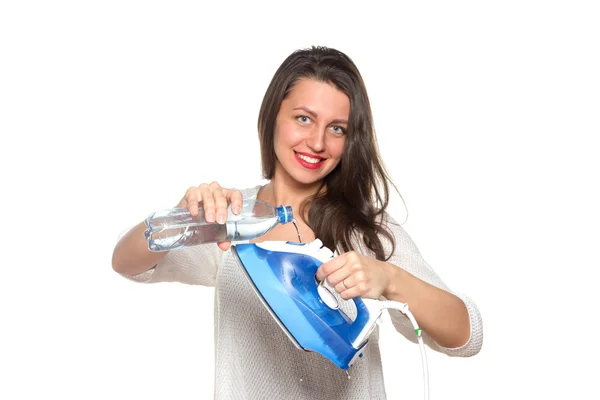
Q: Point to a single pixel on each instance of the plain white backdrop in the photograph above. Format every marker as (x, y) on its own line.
(487, 115)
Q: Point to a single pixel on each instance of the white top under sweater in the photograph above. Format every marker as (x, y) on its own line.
(254, 359)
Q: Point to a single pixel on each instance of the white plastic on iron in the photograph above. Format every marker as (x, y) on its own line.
(176, 228)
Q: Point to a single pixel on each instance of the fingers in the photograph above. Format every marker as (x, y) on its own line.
(336, 278)
(331, 266)
(190, 200)
(220, 204)
(353, 285)
(345, 274)
(354, 290)
(224, 245)
(215, 201)
(235, 197)
(208, 194)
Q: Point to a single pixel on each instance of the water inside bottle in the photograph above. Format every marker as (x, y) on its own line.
(178, 237)
(249, 229)
(165, 237)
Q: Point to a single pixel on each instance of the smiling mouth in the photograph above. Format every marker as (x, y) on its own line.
(310, 160)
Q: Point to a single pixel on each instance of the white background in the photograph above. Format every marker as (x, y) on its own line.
(487, 116)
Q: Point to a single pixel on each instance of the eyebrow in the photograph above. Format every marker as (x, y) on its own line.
(314, 114)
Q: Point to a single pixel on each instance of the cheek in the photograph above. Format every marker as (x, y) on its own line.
(336, 148)
(286, 135)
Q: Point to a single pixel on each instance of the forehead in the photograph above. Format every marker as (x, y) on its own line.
(321, 97)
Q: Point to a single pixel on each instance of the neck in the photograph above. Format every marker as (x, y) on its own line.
(280, 191)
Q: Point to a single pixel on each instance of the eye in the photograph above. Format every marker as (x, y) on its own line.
(303, 119)
(338, 130)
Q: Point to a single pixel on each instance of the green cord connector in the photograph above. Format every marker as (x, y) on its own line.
(418, 332)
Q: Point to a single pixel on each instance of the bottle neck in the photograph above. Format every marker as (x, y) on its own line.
(285, 214)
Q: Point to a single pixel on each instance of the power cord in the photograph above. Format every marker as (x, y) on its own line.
(403, 308)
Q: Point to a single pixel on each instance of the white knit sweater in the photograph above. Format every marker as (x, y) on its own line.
(254, 357)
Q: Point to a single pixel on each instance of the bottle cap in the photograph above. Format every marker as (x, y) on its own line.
(285, 214)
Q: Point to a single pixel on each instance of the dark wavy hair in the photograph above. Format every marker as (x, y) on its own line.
(352, 197)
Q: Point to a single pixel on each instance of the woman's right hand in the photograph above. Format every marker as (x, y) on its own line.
(215, 200)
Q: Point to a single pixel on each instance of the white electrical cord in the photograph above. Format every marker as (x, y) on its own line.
(403, 308)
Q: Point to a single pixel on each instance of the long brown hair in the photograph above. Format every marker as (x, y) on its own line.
(357, 191)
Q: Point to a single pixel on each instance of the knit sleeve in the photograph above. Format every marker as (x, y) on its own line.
(407, 256)
(196, 265)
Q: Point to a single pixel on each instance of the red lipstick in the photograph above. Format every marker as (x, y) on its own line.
(307, 164)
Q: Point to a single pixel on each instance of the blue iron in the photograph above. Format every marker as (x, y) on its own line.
(283, 276)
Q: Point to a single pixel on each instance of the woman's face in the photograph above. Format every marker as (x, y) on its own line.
(310, 131)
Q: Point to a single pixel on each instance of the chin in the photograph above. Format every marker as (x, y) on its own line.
(307, 178)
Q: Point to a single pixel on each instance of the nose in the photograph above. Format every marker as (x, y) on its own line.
(316, 140)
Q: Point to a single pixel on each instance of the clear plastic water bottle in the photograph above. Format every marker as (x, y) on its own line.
(176, 228)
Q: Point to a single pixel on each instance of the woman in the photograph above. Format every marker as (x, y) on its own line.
(319, 154)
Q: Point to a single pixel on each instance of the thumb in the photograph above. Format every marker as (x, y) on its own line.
(224, 245)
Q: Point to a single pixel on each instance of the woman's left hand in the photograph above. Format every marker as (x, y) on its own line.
(355, 275)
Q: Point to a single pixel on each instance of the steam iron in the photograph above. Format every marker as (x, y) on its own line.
(283, 276)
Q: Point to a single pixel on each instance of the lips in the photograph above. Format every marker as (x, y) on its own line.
(309, 161)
